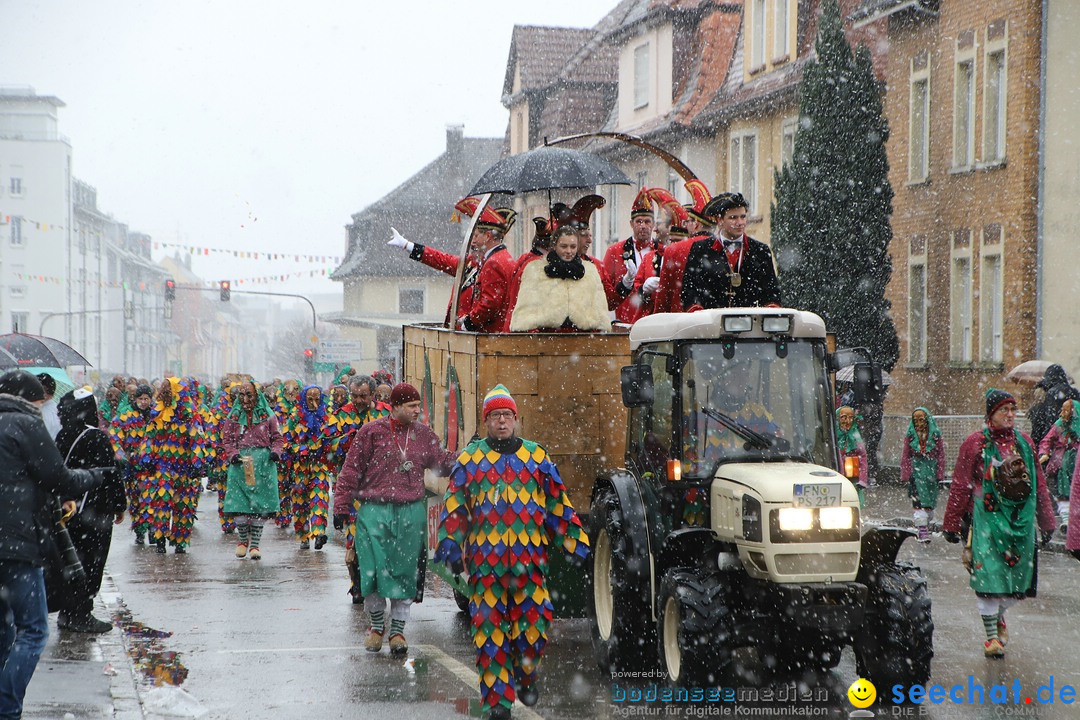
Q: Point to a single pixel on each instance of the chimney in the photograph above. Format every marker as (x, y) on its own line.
(455, 141)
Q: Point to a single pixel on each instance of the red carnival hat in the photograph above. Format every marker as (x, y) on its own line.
(501, 219)
(701, 196)
(643, 204)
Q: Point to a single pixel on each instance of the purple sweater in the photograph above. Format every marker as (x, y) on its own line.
(372, 469)
(264, 435)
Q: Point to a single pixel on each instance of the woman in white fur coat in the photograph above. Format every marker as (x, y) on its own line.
(561, 294)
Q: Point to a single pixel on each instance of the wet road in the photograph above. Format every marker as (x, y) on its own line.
(279, 638)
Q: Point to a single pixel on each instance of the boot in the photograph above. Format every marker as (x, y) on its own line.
(993, 649)
(373, 641)
(398, 644)
(499, 712)
(140, 537)
(241, 550)
(528, 695)
(320, 541)
(160, 549)
(88, 624)
(255, 554)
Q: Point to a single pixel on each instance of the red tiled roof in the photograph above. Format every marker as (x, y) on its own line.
(716, 39)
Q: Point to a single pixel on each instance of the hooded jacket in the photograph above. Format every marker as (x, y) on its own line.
(32, 472)
(83, 445)
(1045, 413)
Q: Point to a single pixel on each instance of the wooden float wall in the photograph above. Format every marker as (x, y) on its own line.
(566, 388)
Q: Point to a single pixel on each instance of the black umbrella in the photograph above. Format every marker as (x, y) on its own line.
(38, 351)
(7, 360)
(547, 168)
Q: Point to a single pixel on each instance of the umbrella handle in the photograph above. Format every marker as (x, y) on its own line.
(463, 259)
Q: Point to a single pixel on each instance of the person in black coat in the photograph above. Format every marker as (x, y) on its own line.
(1044, 413)
(84, 445)
(32, 473)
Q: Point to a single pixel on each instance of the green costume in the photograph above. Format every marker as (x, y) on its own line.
(924, 461)
(262, 497)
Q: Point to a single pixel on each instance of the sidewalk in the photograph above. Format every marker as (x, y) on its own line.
(84, 676)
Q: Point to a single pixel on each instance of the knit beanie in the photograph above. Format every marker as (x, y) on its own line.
(403, 393)
(996, 398)
(498, 398)
(22, 384)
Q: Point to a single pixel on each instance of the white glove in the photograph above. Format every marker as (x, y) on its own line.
(398, 241)
(631, 271)
(650, 285)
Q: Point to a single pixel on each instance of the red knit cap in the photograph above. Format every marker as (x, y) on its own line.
(498, 398)
(403, 393)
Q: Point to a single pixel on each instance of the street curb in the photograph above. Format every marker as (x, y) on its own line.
(124, 683)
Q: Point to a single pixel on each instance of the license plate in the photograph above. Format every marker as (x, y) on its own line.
(817, 495)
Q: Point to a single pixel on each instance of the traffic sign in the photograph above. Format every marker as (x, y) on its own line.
(340, 351)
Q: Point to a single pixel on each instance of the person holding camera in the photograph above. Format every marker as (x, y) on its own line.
(1000, 486)
(85, 445)
(32, 475)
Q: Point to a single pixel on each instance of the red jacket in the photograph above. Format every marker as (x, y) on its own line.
(628, 309)
(488, 310)
(447, 263)
(668, 297)
(646, 270)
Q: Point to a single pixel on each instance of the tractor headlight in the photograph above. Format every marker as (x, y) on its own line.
(835, 518)
(776, 324)
(738, 323)
(796, 518)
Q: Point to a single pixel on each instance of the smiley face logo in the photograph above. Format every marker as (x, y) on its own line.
(862, 693)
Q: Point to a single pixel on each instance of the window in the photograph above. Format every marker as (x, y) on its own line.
(15, 186)
(522, 141)
(411, 301)
(991, 280)
(643, 179)
(917, 302)
(16, 231)
(780, 30)
(742, 177)
(919, 121)
(787, 140)
(641, 76)
(672, 182)
(613, 219)
(757, 43)
(964, 114)
(20, 322)
(994, 113)
(18, 291)
(960, 300)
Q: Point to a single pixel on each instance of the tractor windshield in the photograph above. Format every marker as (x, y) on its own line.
(757, 404)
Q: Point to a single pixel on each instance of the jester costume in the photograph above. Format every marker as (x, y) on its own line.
(213, 423)
(505, 503)
(253, 438)
(173, 450)
(1003, 561)
(1059, 448)
(128, 433)
(922, 467)
(309, 447)
(284, 407)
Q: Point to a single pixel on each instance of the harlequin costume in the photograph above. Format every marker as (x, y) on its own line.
(308, 453)
(128, 433)
(618, 254)
(284, 409)
(385, 472)
(922, 468)
(505, 503)
(1003, 550)
(217, 466)
(173, 450)
(251, 437)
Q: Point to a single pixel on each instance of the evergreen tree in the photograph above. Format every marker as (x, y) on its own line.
(830, 221)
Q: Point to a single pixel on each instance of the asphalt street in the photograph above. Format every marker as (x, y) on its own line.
(208, 635)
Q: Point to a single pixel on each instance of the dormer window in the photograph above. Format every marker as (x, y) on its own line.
(641, 76)
(769, 34)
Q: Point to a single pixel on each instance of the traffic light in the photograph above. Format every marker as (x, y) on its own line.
(170, 290)
(309, 360)
(226, 290)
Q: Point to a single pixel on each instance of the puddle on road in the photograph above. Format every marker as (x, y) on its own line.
(144, 645)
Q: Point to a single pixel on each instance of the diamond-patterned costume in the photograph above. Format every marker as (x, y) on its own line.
(500, 512)
(128, 432)
(174, 450)
(214, 417)
(308, 451)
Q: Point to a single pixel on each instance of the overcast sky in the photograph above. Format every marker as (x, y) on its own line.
(264, 125)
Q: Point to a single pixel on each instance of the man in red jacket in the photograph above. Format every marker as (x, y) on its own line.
(488, 306)
(730, 269)
(622, 259)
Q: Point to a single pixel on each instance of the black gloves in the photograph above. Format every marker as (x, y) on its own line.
(1047, 536)
(456, 566)
(274, 457)
(235, 460)
(339, 521)
(951, 536)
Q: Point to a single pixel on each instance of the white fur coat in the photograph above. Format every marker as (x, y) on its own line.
(545, 302)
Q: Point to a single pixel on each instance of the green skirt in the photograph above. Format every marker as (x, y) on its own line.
(389, 540)
(258, 499)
